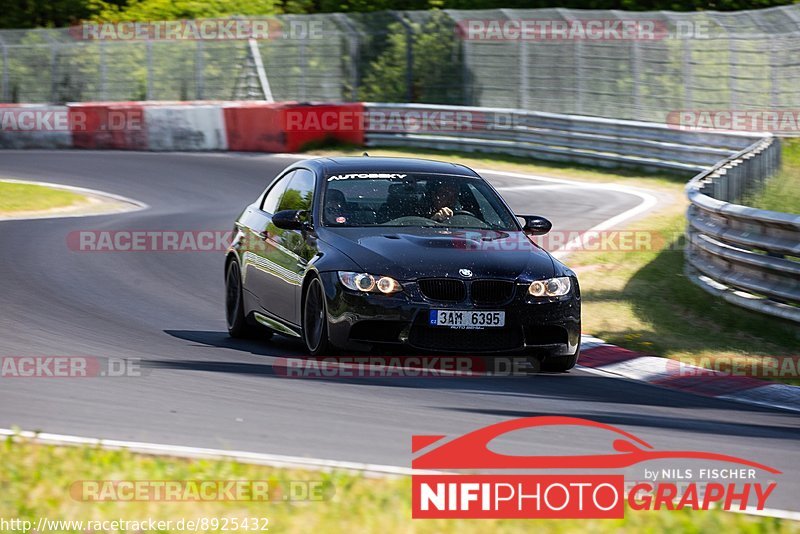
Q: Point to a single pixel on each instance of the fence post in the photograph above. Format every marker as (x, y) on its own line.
(577, 46)
(354, 51)
(303, 68)
(773, 76)
(733, 58)
(409, 55)
(53, 74)
(6, 88)
(103, 71)
(523, 74)
(199, 76)
(688, 95)
(636, 89)
(149, 61)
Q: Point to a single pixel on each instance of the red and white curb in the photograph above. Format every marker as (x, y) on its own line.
(603, 358)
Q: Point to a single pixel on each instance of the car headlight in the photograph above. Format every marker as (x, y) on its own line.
(369, 283)
(552, 287)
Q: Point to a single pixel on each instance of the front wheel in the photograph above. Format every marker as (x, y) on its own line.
(315, 321)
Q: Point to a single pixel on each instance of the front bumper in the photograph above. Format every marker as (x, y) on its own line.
(362, 321)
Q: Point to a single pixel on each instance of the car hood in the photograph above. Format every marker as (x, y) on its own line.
(410, 253)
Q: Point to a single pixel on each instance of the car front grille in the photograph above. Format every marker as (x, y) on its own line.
(482, 292)
(443, 289)
(455, 340)
(491, 291)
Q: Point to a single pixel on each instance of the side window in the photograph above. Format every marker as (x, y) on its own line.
(299, 193)
(271, 200)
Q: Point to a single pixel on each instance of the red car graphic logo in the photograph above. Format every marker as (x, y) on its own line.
(471, 450)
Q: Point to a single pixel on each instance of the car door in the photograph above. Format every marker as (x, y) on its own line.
(258, 273)
(291, 250)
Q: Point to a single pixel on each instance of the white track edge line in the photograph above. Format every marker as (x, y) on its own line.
(274, 460)
(137, 204)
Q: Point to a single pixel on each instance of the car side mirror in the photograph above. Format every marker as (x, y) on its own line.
(291, 220)
(536, 225)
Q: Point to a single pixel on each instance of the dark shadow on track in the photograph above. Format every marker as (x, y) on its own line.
(572, 386)
(790, 431)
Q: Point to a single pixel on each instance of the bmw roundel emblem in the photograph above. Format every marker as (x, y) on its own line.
(466, 273)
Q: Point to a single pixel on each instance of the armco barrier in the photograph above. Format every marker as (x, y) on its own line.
(34, 126)
(185, 127)
(288, 127)
(747, 256)
(568, 138)
(111, 125)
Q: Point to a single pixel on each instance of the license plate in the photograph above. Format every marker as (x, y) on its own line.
(467, 319)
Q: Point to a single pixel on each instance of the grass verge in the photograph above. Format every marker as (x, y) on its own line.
(782, 192)
(640, 299)
(36, 481)
(16, 197)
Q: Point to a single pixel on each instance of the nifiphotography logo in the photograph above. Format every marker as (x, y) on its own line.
(722, 481)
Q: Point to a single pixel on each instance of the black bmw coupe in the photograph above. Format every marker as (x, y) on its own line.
(359, 253)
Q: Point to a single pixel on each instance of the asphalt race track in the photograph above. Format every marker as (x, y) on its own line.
(204, 389)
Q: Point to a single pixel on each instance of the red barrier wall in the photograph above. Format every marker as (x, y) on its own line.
(288, 127)
(111, 125)
(254, 127)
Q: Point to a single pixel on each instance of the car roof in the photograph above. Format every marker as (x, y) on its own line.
(336, 165)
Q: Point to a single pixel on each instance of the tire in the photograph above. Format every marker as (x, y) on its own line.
(315, 321)
(559, 364)
(234, 306)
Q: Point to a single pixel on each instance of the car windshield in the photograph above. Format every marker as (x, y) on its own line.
(413, 199)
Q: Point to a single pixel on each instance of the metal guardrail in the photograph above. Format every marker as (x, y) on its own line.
(749, 257)
(567, 138)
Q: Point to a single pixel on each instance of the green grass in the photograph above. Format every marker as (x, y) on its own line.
(16, 197)
(36, 481)
(782, 192)
(641, 300)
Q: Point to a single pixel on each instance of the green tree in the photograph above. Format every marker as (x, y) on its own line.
(436, 67)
